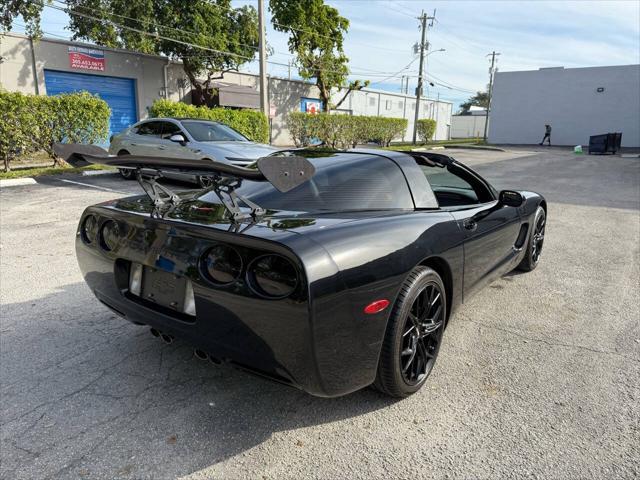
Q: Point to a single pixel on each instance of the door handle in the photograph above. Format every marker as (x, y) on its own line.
(162, 148)
(470, 224)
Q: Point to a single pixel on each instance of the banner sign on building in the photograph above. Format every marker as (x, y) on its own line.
(86, 58)
(311, 106)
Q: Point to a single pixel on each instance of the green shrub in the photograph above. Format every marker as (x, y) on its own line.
(426, 129)
(250, 123)
(343, 131)
(31, 123)
(299, 125)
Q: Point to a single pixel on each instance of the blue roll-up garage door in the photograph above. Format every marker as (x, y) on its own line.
(119, 93)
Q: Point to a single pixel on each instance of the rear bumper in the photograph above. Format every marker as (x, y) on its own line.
(276, 339)
(270, 338)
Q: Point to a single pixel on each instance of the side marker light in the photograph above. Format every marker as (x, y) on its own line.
(376, 306)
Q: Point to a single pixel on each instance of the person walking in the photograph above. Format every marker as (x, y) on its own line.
(547, 135)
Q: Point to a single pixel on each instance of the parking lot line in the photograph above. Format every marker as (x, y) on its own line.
(93, 186)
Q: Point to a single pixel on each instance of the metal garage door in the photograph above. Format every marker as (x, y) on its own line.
(119, 93)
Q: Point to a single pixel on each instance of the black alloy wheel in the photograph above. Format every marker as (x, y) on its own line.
(422, 334)
(538, 238)
(204, 182)
(536, 241)
(414, 334)
(126, 173)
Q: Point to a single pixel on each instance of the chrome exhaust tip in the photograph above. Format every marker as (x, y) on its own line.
(200, 355)
(156, 333)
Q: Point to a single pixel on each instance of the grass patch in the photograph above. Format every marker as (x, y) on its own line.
(461, 141)
(39, 171)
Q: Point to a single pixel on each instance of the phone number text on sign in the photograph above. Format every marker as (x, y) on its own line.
(86, 58)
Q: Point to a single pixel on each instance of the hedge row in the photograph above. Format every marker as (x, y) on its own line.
(30, 123)
(426, 129)
(343, 131)
(251, 123)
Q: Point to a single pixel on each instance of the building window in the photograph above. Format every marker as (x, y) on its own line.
(387, 105)
(413, 105)
(400, 104)
(372, 101)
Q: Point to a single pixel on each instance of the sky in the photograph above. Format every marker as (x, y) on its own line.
(527, 34)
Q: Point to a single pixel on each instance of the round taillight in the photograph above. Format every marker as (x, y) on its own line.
(272, 276)
(88, 229)
(109, 235)
(223, 264)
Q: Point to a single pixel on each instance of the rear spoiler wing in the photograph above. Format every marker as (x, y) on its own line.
(284, 172)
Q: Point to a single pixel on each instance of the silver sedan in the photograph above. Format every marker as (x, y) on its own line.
(189, 139)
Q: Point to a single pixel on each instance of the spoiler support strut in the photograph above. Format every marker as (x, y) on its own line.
(283, 171)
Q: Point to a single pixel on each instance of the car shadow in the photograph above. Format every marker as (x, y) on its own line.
(87, 393)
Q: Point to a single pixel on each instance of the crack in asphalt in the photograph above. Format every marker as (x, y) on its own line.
(547, 342)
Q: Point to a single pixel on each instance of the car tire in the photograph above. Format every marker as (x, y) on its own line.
(126, 173)
(536, 240)
(204, 182)
(414, 334)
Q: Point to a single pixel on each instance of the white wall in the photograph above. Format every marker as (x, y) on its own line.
(568, 100)
(398, 105)
(467, 126)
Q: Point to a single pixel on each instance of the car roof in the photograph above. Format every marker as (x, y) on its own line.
(419, 187)
(175, 119)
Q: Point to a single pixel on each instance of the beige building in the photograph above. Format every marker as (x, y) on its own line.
(130, 82)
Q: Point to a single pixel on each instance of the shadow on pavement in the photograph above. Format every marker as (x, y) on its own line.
(93, 394)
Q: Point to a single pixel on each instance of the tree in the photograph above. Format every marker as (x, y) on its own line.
(316, 34)
(208, 36)
(355, 85)
(480, 99)
(30, 12)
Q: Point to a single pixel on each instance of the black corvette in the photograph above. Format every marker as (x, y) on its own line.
(328, 271)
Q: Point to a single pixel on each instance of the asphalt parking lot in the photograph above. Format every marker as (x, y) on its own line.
(538, 376)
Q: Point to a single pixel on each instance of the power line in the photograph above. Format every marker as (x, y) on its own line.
(194, 45)
(395, 74)
(188, 32)
(71, 8)
(449, 85)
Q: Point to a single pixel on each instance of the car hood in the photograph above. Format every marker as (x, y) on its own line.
(248, 150)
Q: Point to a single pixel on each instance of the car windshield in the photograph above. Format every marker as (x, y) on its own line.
(212, 132)
(342, 182)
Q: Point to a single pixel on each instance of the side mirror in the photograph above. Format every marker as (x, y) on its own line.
(178, 138)
(510, 198)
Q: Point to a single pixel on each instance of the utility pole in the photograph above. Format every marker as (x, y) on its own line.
(493, 54)
(289, 62)
(424, 45)
(264, 102)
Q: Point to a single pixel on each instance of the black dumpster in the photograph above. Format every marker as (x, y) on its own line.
(607, 143)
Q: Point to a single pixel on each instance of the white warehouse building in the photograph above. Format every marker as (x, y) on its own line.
(576, 102)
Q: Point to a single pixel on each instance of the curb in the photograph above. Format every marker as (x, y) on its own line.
(91, 173)
(16, 182)
(476, 147)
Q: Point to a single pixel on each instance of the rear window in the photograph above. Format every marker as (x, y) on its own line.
(342, 182)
